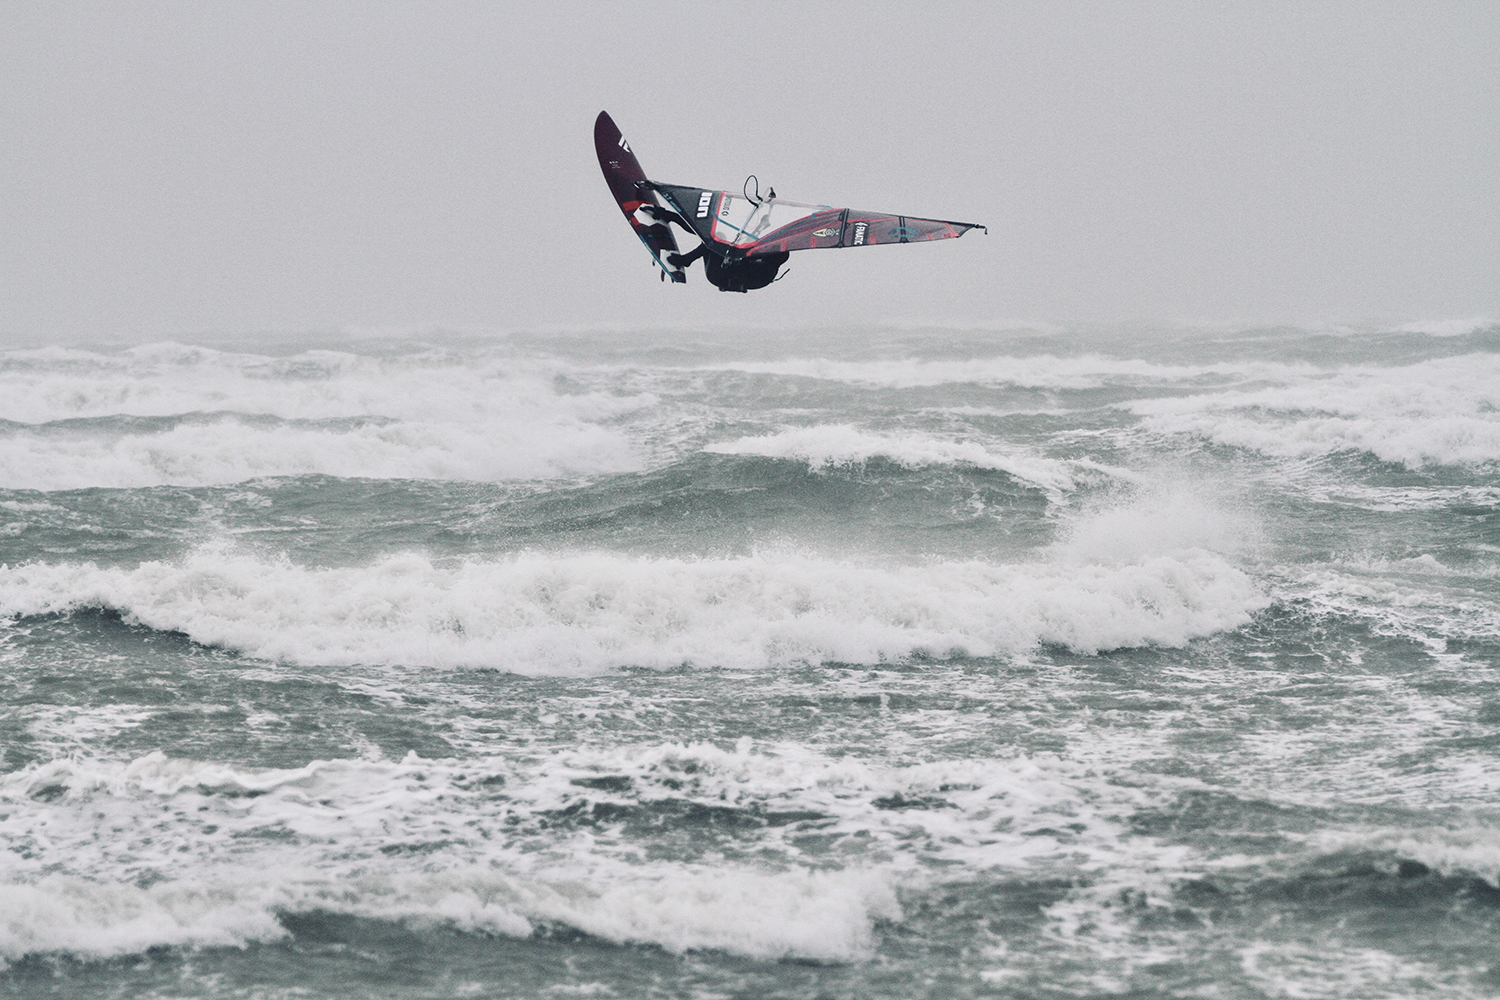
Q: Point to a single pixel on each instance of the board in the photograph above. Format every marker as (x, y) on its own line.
(626, 180)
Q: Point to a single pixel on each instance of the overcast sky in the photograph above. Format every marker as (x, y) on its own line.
(170, 169)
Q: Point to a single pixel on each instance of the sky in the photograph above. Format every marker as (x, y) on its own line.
(172, 169)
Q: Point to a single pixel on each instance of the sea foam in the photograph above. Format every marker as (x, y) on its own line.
(120, 856)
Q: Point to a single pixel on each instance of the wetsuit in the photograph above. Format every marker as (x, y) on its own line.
(738, 274)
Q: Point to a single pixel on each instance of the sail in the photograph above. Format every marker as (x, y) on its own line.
(732, 223)
(850, 227)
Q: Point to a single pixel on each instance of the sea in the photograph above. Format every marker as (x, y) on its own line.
(881, 662)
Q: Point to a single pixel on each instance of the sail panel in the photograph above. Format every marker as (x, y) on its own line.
(733, 224)
(853, 228)
(743, 223)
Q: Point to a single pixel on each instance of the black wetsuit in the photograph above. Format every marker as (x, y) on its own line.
(736, 274)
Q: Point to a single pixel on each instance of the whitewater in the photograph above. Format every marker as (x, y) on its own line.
(879, 662)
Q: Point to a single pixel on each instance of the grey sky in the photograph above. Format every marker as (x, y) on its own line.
(181, 168)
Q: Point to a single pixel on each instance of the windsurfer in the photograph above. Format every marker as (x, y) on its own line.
(739, 274)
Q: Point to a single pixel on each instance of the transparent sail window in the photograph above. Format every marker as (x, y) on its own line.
(741, 222)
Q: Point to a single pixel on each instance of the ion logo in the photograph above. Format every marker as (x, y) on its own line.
(704, 200)
(859, 233)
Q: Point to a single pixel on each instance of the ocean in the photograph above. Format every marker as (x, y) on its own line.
(907, 662)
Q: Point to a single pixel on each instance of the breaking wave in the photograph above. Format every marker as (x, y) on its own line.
(167, 414)
(590, 612)
(1439, 412)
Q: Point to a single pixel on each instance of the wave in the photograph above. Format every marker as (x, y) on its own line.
(1419, 598)
(1449, 327)
(1439, 412)
(1428, 496)
(806, 915)
(167, 414)
(590, 612)
(1044, 371)
(1424, 565)
(162, 380)
(831, 446)
(1455, 851)
(232, 449)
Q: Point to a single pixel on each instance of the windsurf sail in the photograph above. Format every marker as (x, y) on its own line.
(742, 226)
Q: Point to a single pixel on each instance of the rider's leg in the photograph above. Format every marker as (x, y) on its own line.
(682, 260)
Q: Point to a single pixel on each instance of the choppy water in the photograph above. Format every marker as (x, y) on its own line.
(892, 663)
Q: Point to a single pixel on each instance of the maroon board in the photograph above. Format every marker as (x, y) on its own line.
(626, 182)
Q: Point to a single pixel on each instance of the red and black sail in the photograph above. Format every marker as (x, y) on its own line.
(736, 225)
